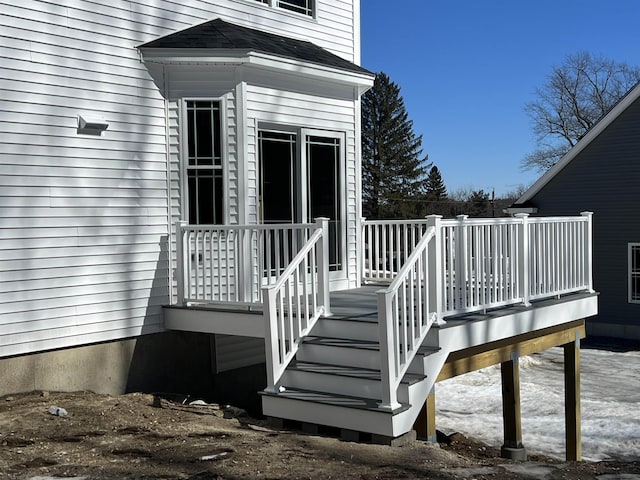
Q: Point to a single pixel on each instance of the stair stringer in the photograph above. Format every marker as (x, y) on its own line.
(428, 364)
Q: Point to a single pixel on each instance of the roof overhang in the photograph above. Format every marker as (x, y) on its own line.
(260, 61)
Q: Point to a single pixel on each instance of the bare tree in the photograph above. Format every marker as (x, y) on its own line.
(576, 95)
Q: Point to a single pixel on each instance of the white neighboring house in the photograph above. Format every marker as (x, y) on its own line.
(119, 119)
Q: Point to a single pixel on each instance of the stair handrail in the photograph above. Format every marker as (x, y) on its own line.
(295, 302)
(407, 309)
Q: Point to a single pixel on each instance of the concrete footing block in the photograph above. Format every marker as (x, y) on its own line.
(349, 435)
(519, 453)
(277, 423)
(310, 428)
(400, 441)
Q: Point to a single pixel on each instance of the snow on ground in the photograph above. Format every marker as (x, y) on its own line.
(610, 385)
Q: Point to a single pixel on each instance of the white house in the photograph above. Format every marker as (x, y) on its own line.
(87, 212)
(181, 196)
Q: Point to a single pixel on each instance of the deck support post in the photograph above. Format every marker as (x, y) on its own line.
(572, 409)
(425, 425)
(510, 372)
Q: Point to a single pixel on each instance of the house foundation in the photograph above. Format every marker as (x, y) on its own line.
(175, 362)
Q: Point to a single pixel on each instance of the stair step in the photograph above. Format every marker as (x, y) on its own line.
(371, 345)
(340, 351)
(343, 342)
(335, 400)
(363, 327)
(351, 372)
(428, 350)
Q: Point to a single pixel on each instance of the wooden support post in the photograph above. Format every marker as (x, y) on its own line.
(512, 447)
(425, 425)
(572, 400)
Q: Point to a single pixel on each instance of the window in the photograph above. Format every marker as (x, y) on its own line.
(634, 273)
(306, 7)
(204, 163)
(299, 6)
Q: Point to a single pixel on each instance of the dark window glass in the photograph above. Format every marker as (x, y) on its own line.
(277, 161)
(299, 6)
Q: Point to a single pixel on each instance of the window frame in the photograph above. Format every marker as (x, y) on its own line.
(308, 11)
(633, 297)
(184, 156)
(302, 134)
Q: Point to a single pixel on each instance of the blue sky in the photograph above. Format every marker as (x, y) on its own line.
(466, 68)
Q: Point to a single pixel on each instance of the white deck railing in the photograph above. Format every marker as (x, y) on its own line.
(293, 304)
(386, 245)
(406, 311)
(231, 263)
(489, 263)
(465, 265)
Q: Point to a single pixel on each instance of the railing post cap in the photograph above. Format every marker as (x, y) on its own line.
(586, 214)
(462, 217)
(433, 215)
(521, 215)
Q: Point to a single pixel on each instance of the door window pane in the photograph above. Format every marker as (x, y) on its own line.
(277, 171)
(323, 157)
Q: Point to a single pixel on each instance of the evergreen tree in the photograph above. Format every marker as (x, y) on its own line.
(435, 189)
(435, 194)
(393, 169)
(478, 204)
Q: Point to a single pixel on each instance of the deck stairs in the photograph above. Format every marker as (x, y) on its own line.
(335, 379)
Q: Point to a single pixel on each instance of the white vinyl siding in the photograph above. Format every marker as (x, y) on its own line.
(85, 219)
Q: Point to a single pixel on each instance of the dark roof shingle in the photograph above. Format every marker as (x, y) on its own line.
(218, 34)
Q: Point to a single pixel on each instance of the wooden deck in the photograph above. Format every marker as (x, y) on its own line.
(360, 306)
(464, 343)
(463, 294)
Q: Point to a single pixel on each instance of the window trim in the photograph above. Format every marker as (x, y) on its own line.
(631, 274)
(184, 156)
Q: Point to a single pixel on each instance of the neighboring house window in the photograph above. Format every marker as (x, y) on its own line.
(204, 163)
(634, 273)
(306, 7)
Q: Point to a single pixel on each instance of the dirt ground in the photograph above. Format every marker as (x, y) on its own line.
(139, 436)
